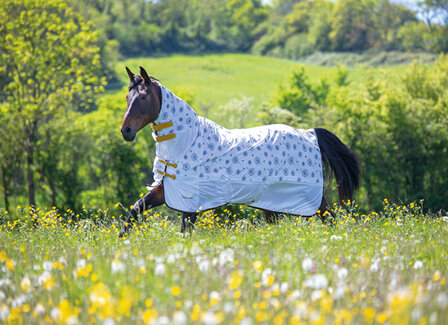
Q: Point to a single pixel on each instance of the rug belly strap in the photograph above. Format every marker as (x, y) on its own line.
(165, 137)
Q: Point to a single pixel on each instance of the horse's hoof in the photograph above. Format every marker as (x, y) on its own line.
(122, 233)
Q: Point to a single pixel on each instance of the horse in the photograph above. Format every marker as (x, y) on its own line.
(200, 165)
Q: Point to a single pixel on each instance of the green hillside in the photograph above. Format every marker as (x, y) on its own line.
(217, 78)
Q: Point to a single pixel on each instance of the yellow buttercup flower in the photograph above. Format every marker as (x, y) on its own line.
(235, 280)
(175, 290)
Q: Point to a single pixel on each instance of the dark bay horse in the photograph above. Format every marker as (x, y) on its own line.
(200, 165)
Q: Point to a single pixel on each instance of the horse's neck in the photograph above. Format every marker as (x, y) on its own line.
(185, 125)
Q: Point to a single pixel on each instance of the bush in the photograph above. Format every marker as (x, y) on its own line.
(397, 126)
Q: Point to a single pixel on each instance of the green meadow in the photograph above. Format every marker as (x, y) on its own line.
(215, 79)
(376, 268)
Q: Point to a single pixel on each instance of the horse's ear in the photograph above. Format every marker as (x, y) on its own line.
(130, 74)
(145, 76)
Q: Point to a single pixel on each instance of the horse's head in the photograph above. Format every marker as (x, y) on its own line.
(144, 102)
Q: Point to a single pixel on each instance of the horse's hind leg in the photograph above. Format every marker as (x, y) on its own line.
(188, 220)
(324, 211)
(151, 200)
(271, 216)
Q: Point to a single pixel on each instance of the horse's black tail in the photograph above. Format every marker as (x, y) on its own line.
(342, 161)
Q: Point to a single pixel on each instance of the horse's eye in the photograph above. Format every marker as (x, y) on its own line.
(144, 97)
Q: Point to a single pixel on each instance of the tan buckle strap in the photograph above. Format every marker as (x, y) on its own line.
(161, 126)
(165, 174)
(165, 137)
(167, 163)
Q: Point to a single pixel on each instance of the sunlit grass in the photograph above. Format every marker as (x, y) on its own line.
(385, 267)
(215, 79)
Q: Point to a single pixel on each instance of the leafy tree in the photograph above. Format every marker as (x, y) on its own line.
(352, 25)
(49, 59)
(300, 95)
(389, 18)
(11, 153)
(61, 154)
(320, 26)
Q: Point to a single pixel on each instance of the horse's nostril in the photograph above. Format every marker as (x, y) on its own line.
(127, 130)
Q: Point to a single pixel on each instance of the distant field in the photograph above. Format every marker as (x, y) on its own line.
(217, 78)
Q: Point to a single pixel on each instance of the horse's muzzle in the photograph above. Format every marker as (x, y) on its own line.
(127, 134)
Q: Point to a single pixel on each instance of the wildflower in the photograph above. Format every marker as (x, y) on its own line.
(10, 264)
(229, 308)
(442, 300)
(436, 276)
(126, 300)
(117, 266)
(163, 320)
(382, 317)
(246, 321)
(4, 312)
(418, 265)
(109, 321)
(318, 281)
(67, 314)
(39, 309)
(307, 264)
(226, 256)
(342, 273)
(258, 266)
(47, 265)
(149, 315)
(175, 291)
(316, 295)
(295, 295)
(334, 237)
(235, 280)
(209, 318)
(204, 265)
(101, 301)
(55, 314)
(46, 280)
(375, 265)
(179, 317)
(369, 314)
(267, 277)
(25, 284)
(214, 298)
(160, 269)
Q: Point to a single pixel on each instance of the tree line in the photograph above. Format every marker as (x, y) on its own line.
(285, 28)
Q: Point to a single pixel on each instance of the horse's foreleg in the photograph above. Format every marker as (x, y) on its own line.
(151, 200)
(188, 220)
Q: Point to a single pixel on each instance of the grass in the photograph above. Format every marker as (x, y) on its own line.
(387, 267)
(216, 79)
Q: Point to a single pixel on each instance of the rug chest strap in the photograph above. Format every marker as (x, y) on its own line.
(161, 126)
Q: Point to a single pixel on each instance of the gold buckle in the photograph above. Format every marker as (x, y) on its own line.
(167, 163)
(165, 174)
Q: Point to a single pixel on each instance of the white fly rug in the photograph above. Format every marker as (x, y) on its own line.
(273, 167)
